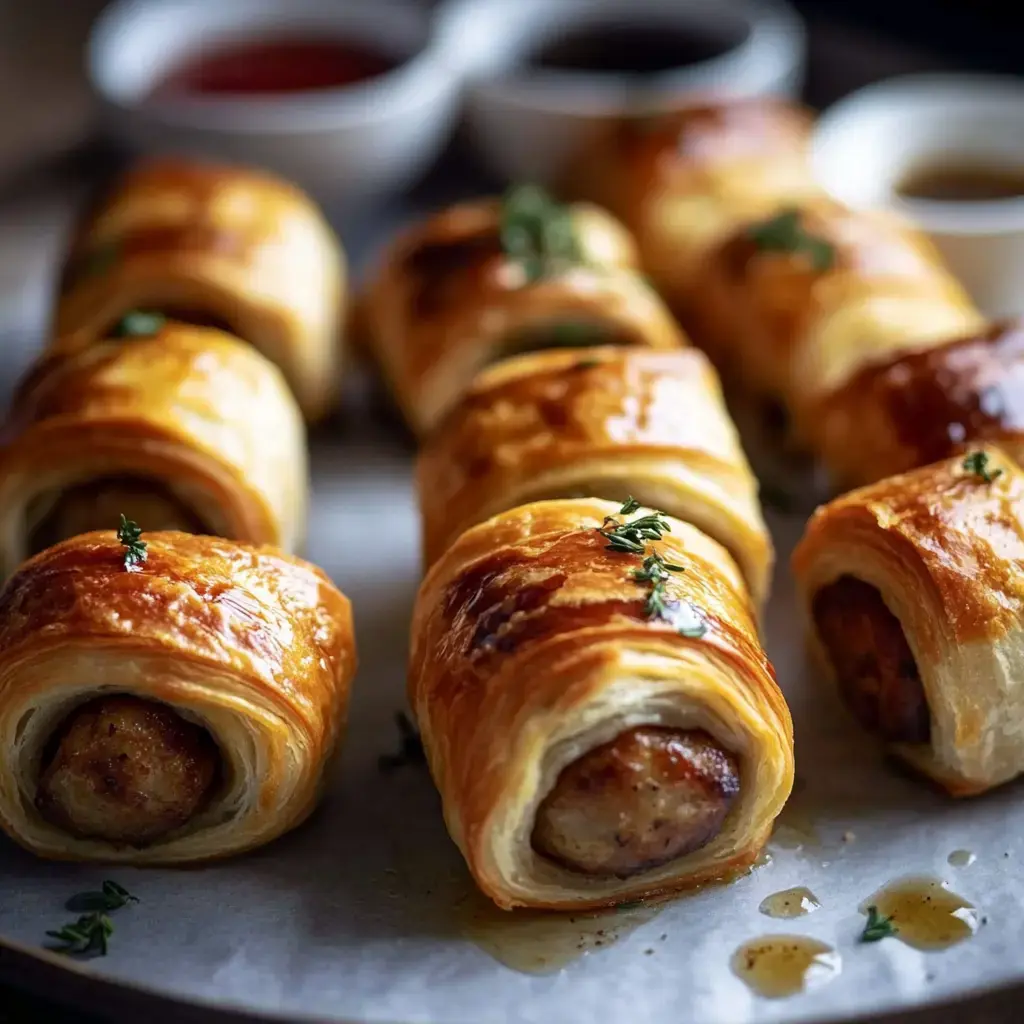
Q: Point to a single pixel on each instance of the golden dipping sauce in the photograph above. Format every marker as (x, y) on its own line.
(963, 183)
(789, 903)
(777, 966)
(924, 913)
(545, 942)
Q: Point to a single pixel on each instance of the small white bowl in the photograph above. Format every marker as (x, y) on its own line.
(346, 144)
(528, 122)
(869, 143)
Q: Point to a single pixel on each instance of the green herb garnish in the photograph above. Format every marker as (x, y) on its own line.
(128, 533)
(110, 896)
(91, 932)
(410, 750)
(630, 538)
(138, 324)
(877, 927)
(978, 464)
(538, 233)
(785, 233)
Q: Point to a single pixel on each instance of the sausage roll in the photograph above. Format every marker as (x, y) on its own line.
(177, 709)
(790, 307)
(915, 598)
(213, 245)
(599, 422)
(487, 279)
(186, 429)
(683, 181)
(596, 710)
(789, 292)
(923, 406)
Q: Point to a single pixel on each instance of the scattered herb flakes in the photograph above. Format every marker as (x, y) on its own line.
(538, 233)
(410, 748)
(877, 927)
(977, 463)
(128, 533)
(785, 233)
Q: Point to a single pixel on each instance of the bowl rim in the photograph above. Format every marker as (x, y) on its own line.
(414, 83)
(951, 96)
(774, 41)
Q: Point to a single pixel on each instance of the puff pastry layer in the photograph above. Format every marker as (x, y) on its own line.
(942, 547)
(531, 647)
(447, 300)
(924, 406)
(599, 422)
(193, 413)
(704, 195)
(254, 646)
(214, 245)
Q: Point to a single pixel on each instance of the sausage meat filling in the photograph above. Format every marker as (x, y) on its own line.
(649, 796)
(878, 677)
(98, 504)
(127, 771)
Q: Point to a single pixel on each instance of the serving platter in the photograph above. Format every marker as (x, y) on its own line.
(367, 913)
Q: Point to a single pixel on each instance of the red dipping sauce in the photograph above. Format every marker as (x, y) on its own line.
(274, 67)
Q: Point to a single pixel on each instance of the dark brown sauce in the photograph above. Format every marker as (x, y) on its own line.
(960, 183)
(631, 49)
(274, 66)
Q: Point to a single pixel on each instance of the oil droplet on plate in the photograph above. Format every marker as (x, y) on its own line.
(776, 966)
(795, 902)
(961, 858)
(925, 914)
(544, 942)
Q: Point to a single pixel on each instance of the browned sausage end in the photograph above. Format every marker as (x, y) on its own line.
(647, 797)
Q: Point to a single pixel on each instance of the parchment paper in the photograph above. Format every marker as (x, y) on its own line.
(354, 917)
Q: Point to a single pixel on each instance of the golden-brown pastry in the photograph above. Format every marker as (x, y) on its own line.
(487, 279)
(791, 307)
(600, 422)
(683, 181)
(187, 429)
(179, 709)
(924, 406)
(214, 245)
(789, 292)
(915, 597)
(596, 736)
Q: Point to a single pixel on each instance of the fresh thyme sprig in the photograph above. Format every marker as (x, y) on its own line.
(630, 538)
(110, 896)
(877, 927)
(91, 932)
(538, 233)
(785, 233)
(128, 533)
(978, 464)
